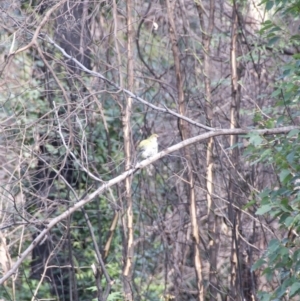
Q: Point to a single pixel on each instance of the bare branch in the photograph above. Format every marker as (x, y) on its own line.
(37, 31)
(128, 173)
(131, 94)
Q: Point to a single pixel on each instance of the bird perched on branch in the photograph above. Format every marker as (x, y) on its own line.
(148, 148)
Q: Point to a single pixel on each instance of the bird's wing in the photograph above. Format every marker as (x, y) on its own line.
(142, 144)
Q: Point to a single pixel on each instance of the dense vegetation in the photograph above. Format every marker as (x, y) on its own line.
(82, 82)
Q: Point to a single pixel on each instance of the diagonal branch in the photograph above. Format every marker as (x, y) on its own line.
(130, 172)
(129, 93)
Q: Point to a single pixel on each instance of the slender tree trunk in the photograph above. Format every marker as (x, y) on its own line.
(128, 267)
(234, 214)
(184, 131)
(212, 231)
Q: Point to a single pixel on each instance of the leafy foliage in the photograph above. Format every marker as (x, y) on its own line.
(281, 200)
(60, 122)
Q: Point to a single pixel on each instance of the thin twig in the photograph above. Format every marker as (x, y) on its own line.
(105, 186)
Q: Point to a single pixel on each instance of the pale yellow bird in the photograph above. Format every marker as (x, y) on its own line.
(148, 148)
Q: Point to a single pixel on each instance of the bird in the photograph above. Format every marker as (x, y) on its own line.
(148, 148)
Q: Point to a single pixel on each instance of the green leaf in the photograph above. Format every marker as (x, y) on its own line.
(266, 25)
(297, 266)
(283, 251)
(296, 255)
(255, 139)
(273, 40)
(288, 221)
(280, 291)
(280, 120)
(276, 93)
(263, 209)
(264, 296)
(290, 157)
(249, 204)
(265, 193)
(284, 205)
(296, 56)
(274, 244)
(292, 133)
(259, 263)
(295, 289)
(266, 154)
(275, 28)
(284, 174)
(269, 5)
